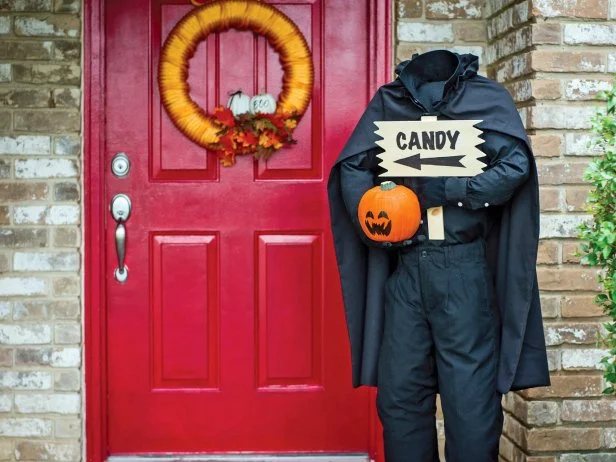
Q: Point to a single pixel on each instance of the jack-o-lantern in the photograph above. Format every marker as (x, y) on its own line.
(389, 213)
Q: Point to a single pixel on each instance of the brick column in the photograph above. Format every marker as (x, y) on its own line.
(40, 328)
(552, 55)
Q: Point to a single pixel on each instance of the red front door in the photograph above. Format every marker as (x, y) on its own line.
(229, 333)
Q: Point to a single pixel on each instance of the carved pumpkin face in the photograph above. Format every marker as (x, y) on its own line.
(389, 213)
(381, 226)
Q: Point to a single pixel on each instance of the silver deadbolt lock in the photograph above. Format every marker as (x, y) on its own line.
(120, 165)
(120, 211)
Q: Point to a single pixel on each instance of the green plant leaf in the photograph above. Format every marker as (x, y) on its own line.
(599, 232)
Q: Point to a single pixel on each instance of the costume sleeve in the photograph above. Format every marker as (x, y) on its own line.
(356, 177)
(359, 164)
(508, 168)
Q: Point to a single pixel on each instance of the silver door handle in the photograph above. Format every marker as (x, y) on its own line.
(121, 272)
(120, 210)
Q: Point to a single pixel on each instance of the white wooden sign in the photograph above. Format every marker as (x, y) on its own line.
(430, 147)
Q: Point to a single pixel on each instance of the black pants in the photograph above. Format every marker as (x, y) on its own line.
(441, 334)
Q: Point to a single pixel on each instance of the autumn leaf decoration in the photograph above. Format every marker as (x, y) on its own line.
(257, 134)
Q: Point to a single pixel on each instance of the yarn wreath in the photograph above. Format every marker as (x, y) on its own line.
(257, 134)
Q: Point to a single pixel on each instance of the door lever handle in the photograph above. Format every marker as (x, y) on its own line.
(120, 210)
(121, 272)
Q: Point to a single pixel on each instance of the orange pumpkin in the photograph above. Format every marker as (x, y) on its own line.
(389, 213)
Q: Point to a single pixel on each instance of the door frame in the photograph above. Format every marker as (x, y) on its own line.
(94, 355)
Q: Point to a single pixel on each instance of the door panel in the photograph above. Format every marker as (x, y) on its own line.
(167, 140)
(184, 341)
(229, 333)
(289, 321)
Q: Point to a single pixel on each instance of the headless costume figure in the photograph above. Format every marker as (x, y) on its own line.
(441, 321)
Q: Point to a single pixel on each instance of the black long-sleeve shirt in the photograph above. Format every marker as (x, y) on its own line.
(466, 199)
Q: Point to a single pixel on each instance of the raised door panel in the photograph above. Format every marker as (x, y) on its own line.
(172, 155)
(305, 159)
(289, 311)
(185, 311)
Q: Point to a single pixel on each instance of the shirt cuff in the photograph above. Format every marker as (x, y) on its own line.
(455, 190)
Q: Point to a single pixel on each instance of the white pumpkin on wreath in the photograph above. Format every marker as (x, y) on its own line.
(239, 103)
(263, 103)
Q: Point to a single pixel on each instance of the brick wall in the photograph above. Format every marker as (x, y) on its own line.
(40, 328)
(457, 25)
(553, 57)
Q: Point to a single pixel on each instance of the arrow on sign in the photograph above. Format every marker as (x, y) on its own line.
(415, 161)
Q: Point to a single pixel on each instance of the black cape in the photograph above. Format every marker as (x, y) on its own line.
(511, 244)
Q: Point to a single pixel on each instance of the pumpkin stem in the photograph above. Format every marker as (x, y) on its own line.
(387, 185)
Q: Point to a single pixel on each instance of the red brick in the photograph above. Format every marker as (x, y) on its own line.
(557, 439)
(405, 51)
(4, 215)
(576, 199)
(546, 33)
(515, 431)
(13, 238)
(550, 199)
(410, 8)
(471, 31)
(561, 173)
(550, 306)
(5, 121)
(588, 410)
(506, 449)
(567, 61)
(28, 191)
(579, 306)
(567, 278)
(545, 89)
(546, 145)
(548, 252)
(567, 386)
(568, 251)
(33, 451)
(6, 357)
(5, 263)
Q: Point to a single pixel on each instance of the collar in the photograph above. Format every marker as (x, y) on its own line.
(436, 65)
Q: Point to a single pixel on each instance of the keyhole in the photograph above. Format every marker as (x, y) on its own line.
(120, 165)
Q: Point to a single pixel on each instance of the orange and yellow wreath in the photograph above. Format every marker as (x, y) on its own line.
(257, 134)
